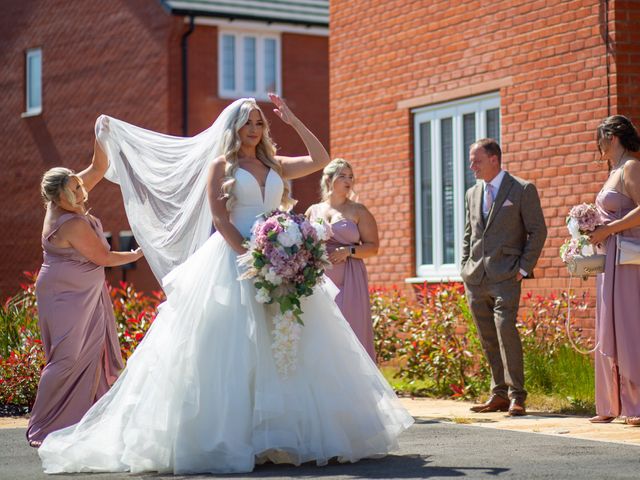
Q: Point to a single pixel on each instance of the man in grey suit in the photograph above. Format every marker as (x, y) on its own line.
(503, 237)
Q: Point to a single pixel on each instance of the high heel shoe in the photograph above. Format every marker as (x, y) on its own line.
(601, 419)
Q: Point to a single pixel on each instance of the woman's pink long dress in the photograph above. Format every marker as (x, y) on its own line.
(617, 358)
(78, 332)
(350, 277)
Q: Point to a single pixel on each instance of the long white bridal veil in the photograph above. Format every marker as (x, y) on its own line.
(163, 179)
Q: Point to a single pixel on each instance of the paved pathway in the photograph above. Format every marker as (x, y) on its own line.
(535, 422)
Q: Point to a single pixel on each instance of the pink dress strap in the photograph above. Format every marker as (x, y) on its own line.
(62, 219)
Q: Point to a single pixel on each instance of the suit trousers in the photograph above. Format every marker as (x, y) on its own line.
(494, 307)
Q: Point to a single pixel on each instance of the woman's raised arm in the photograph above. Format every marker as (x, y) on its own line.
(317, 159)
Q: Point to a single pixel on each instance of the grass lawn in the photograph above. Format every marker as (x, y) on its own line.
(564, 385)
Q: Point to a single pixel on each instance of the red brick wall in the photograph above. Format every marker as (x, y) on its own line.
(128, 65)
(305, 86)
(305, 82)
(626, 42)
(98, 57)
(384, 52)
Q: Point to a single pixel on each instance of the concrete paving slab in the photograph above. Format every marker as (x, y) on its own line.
(535, 422)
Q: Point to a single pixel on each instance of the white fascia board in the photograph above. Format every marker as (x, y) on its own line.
(250, 9)
(271, 27)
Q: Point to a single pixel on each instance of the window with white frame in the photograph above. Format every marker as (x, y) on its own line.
(443, 134)
(33, 84)
(248, 65)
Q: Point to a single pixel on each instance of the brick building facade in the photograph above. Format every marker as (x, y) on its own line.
(433, 76)
(124, 58)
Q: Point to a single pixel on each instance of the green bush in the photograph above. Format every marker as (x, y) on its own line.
(21, 352)
(430, 339)
(552, 365)
(426, 337)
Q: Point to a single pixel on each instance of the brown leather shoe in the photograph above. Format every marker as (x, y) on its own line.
(516, 408)
(496, 403)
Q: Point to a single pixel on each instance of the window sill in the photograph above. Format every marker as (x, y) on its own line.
(434, 279)
(263, 97)
(32, 113)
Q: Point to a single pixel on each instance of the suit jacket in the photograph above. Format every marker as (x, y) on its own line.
(512, 236)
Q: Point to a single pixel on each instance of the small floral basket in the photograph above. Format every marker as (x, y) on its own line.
(577, 252)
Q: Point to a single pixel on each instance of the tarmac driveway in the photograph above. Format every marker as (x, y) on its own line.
(430, 449)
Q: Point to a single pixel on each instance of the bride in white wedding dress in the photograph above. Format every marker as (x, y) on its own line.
(202, 393)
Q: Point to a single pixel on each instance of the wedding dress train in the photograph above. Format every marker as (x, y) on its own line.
(202, 393)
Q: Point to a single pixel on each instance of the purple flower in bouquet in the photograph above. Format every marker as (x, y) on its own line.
(586, 216)
(582, 219)
(286, 258)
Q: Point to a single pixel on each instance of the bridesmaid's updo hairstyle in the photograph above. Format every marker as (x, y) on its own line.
(329, 174)
(621, 127)
(55, 184)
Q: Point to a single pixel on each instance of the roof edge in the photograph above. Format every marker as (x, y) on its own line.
(232, 16)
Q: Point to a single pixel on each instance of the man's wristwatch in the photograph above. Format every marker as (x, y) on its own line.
(352, 250)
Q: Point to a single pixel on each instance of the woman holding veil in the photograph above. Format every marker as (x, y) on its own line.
(202, 392)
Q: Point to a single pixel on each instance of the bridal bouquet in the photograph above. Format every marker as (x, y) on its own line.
(582, 220)
(286, 258)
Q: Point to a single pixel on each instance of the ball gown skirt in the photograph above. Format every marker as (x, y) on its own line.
(201, 393)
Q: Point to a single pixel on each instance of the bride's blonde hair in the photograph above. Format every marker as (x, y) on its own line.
(265, 152)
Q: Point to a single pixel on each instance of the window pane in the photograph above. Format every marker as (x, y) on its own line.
(228, 62)
(270, 65)
(446, 159)
(34, 80)
(250, 64)
(426, 200)
(468, 137)
(493, 124)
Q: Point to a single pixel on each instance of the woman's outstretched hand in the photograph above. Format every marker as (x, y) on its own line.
(102, 128)
(282, 110)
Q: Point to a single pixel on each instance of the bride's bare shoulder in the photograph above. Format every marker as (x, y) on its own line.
(217, 164)
(216, 171)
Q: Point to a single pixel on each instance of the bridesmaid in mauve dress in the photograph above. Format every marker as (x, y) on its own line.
(354, 237)
(75, 314)
(617, 357)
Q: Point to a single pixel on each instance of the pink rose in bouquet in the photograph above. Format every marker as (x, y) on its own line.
(286, 259)
(582, 219)
(586, 216)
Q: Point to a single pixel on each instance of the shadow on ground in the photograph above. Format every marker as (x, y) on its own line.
(391, 466)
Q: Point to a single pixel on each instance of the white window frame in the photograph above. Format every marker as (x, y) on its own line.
(438, 270)
(239, 91)
(31, 110)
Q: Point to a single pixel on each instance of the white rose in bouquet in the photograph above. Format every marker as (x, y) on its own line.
(290, 236)
(262, 295)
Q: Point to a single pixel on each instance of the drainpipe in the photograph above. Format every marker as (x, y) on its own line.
(185, 78)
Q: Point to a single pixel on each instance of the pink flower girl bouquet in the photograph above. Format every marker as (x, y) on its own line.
(286, 259)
